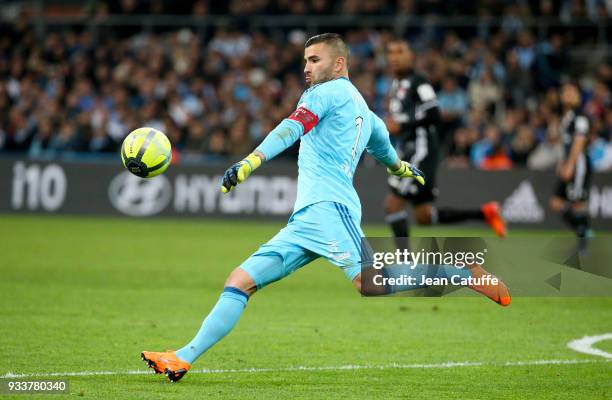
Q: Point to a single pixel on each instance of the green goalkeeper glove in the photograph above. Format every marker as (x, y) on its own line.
(238, 172)
(406, 170)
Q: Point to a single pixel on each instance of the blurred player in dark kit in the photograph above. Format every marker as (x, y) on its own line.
(571, 195)
(414, 116)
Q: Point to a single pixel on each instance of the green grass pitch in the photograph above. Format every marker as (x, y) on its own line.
(88, 294)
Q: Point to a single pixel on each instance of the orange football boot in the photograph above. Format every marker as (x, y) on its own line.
(493, 217)
(166, 363)
(499, 292)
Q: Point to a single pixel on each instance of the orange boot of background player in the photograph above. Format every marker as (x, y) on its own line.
(493, 217)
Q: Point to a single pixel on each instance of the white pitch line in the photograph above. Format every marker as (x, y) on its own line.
(305, 368)
(585, 345)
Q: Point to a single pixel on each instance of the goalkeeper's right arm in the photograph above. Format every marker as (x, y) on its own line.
(279, 139)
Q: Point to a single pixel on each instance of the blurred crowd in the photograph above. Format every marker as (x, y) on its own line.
(512, 10)
(501, 107)
(219, 94)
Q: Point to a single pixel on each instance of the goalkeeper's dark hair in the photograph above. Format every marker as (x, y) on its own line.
(334, 41)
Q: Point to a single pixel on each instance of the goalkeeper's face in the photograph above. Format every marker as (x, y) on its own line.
(321, 64)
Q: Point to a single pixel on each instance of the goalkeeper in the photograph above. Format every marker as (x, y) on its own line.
(335, 126)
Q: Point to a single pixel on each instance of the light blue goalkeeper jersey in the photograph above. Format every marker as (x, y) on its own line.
(335, 127)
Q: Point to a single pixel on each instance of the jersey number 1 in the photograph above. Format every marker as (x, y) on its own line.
(358, 122)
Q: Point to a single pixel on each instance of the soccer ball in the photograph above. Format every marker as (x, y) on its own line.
(146, 152)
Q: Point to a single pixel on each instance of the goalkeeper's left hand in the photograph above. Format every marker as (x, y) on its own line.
(238, 172)
(406, 170)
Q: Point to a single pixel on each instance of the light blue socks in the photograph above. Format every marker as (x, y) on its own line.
(219, 322)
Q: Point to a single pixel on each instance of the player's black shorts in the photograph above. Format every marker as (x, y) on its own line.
(577, 189)
(410, 189)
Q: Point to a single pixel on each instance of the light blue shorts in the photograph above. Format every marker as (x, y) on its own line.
(324, 229)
